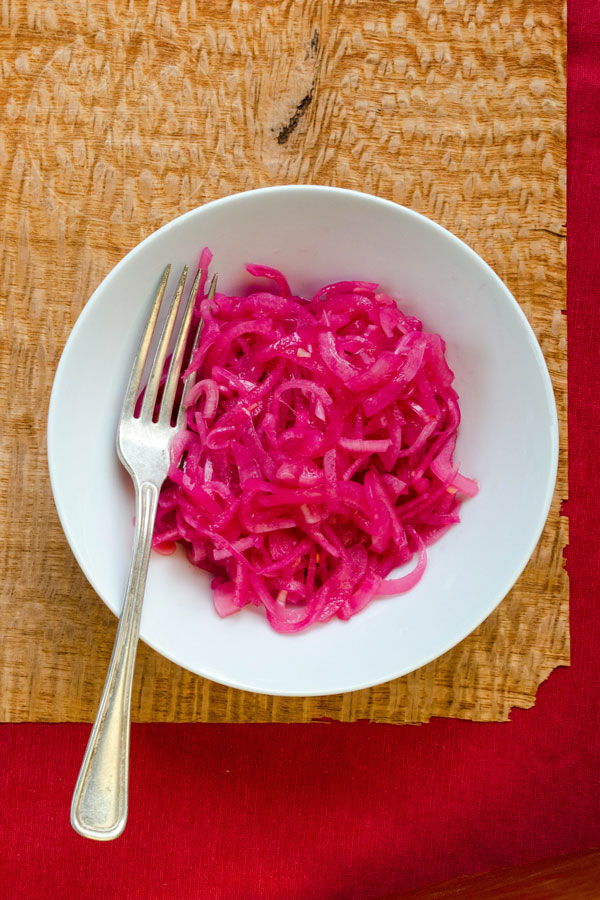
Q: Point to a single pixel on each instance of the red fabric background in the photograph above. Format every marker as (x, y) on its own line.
(349, 812)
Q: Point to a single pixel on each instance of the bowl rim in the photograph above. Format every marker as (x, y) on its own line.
(516, 571)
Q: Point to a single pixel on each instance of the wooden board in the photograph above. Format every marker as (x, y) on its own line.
(117, 117)
(572, 877)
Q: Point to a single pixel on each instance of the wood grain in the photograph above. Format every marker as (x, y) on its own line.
(117, 117)
(573, 877)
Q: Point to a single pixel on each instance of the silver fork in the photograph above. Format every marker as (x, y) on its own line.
(99, 806)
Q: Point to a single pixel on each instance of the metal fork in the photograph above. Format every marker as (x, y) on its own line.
(99, 806)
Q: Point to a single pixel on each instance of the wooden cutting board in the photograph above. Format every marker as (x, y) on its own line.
(119, 116)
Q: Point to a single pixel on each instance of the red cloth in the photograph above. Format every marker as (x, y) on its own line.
(349, 812)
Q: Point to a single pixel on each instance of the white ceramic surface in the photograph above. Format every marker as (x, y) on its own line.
(508, 438)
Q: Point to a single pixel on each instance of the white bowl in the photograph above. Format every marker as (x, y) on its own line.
(508, 437)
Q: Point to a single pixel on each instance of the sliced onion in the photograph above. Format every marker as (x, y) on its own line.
(318, 454)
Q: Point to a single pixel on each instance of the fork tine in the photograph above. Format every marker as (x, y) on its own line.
(168, 398)
(133, 388)
(160, 356)
(189, 381)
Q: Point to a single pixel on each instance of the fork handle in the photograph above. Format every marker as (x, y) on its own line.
(99, 806)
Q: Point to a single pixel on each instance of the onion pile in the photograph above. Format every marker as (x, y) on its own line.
(318, 454)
